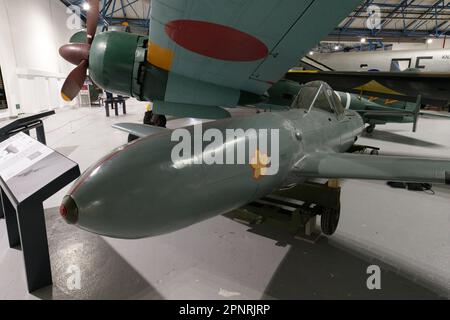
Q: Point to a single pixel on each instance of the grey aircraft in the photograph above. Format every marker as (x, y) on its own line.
(140, 191)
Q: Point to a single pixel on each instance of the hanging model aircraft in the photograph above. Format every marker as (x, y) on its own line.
(203, 55)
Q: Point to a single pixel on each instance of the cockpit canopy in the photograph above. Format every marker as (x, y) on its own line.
(318, 95)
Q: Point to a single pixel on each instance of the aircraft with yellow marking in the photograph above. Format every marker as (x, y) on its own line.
(202, 56)
(198, 60)
(374, 111)
(434, 88)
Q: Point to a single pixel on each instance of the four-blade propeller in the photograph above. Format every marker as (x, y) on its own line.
(78, 54)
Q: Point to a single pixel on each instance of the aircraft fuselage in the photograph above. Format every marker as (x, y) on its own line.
(384, 61)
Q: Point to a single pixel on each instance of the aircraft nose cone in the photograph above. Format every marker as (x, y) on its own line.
(69, 210)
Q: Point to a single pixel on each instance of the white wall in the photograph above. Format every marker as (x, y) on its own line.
(31, 32)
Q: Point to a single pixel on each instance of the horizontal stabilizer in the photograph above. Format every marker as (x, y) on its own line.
(435, 115)
(368, 167)
(139, 130)
(182, 110)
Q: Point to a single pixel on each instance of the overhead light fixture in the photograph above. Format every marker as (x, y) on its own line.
(86, 6)
(430, 41)
(363, 40)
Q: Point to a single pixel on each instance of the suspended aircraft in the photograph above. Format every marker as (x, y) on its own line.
(431, 60)
(202, 56)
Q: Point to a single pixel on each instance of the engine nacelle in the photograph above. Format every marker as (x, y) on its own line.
(114, 62)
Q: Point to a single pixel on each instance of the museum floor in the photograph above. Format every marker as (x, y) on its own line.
(405, 233)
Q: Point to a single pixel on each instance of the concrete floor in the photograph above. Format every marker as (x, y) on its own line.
(405, 233)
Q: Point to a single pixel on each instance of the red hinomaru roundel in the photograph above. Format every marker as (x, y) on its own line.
(216, 41)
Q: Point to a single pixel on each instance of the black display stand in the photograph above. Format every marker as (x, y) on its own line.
(26, 124)
(113, 103)
(22, 198)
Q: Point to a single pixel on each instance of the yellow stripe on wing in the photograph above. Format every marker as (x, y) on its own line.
(159, 56)
(303, 71)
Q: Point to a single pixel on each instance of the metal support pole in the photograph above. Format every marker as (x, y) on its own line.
(40, 134)
(107, 108)
(33, 236)
(2, 209)
(11, 221)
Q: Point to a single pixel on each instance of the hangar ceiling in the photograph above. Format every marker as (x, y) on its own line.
(114, 12)
(407, 20)
(400, 20)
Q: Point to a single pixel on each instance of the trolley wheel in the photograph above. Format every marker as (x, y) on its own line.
(330, 220)
(159, 120)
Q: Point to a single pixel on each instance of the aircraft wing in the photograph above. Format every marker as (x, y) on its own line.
(381, 113)
(246, 45)
(386, 116)
(434, 115)
(402, 86)
(139, 130)
(368, 167)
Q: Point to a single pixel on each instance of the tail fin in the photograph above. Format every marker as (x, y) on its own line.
(366, 167)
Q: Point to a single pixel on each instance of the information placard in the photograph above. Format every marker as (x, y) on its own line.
(19, 153)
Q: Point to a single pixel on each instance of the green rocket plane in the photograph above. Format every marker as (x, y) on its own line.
(201, 57)
(164, 195)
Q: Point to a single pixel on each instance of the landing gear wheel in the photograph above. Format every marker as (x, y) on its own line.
(132, 137)
(374, 153)
(370, 129)
(330, 220)
(148, 118)
(159, 120)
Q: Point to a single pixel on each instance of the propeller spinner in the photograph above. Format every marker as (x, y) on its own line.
(78, 54)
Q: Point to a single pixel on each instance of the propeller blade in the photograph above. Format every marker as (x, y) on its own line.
(92, 19)
(74, 82)
(75, 52)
